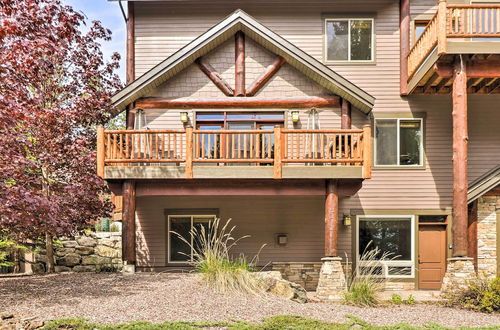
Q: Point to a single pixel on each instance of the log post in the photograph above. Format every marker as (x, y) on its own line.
(441, 27)
(239, 67)
(331, 218)
(128, 224)
(189, 153)
(130, 116)
(460, 141)
(277, 152)
(367, 152)
(100, 151)
(404, 40)
(345, 120)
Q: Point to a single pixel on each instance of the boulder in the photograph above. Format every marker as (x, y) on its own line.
(107, 242)
(84, 250)
(69, 244)
(106, 251)
(86, 241)
(69, 260)
(61, 269)
(95, 260)
(274, 283)
(83, 269)
(61, 252)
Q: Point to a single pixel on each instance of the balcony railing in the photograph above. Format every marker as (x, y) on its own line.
(454, 21)
(278, 147)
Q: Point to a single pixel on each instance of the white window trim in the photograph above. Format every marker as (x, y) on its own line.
(388, 263)
(169, 233)
(398, 156)
(349, 19)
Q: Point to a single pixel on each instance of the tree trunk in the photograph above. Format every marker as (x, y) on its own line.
(49, 245)
(17, 261)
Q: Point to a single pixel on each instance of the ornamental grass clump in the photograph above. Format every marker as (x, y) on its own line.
(367, 281)
(212, 258)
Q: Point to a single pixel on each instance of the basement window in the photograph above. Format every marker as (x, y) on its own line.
(385, 246)
(349, 40)
(399, 142)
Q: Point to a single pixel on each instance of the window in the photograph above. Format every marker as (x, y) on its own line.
(182, 225)
(398, 142)
(419, 29)
(391, 235)
(349, 40)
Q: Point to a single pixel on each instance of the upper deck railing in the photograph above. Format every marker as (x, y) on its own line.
(454, 21)
(278, 147)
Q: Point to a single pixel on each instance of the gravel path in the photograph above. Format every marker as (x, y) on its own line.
(114, 298)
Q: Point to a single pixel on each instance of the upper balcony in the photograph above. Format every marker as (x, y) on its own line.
(472, 31)
(234, 154)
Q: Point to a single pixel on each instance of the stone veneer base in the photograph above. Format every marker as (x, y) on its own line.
(332, 283)
(459, 271)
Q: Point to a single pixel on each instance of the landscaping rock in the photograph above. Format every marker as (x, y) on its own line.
(84, 250)
(274, 283)
(86, 241)
(83, 269)
(61, 269)
(95, 260)
(106, 251)
(69, 260)
(69, 244)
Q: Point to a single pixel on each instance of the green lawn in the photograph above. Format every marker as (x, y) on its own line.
(284, 322)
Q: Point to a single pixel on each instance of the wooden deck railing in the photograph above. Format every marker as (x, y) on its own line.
(249, 147)
(454, 21)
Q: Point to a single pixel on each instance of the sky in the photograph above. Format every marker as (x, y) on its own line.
(108, 12)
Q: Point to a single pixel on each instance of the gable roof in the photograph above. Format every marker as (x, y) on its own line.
(239, 20)
(483, 184)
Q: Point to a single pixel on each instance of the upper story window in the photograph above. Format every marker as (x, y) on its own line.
(349, 40)
(420, 26)
(399, 142)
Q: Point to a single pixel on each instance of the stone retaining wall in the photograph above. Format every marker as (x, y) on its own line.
(305, 274)
(488, 209)
(90, 252)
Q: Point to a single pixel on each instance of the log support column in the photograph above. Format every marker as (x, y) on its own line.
(404, 38)
(460, 268)
(128, 227)
(332, 282)
(239, 68)
(345, 117)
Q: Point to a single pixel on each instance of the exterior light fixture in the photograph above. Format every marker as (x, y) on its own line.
(282, 239)
(184, 117)
(295, 116)
(347, 220)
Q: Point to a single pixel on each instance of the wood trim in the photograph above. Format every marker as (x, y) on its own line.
(367, 152)
(404, 39)
(239, 65)
(130, 62)
(189, 152)
(460, 141)
(260, 81)
(100, 151)
(475, 69)
(306, 102)
(215, 77)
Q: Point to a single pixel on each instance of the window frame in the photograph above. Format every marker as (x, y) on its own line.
(398, 133)
(169, 233)
(348, 19)
(391, 263)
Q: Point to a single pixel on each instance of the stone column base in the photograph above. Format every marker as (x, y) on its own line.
(332, 283)
(459, 271)
(128, 269)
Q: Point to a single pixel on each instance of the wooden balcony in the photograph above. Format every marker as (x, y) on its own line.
(469, 31)
(279, 153)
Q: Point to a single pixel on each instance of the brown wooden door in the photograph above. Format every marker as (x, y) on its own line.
(431, 256)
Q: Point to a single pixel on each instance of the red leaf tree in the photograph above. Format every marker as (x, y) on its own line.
(55, 87)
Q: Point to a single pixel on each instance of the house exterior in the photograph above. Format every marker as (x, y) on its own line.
(320, 128)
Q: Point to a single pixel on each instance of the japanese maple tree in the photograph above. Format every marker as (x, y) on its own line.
(55, 87)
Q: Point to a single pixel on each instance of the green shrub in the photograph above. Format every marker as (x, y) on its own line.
(212, 246)
(396, 299)
(411, 300)
(114, 228)
(481, 294)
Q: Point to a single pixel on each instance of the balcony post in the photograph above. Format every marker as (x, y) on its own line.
(404, 39)
(367, 152)
(441, 27)
(278, 152)
(128, 226)
(189, 153)
(331, 218)
(345, 120)
(460, 146)
(100, 151)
